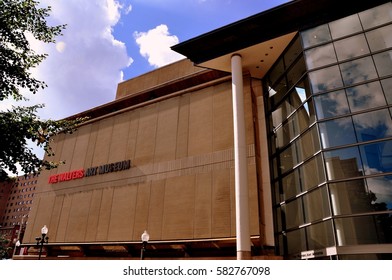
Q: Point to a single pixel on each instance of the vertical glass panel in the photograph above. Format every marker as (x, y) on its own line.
(296, 241)
(279, 218)
(280, 114)
(377, 157)
(276, 72)
(345, 26)
(383, 63)
(316, 205)
(350, 197)
(358, 71)
(288, 158)
(337, 132)
(380, 39)
(312, 173)
(320, 56)
(315, 36)
(285, 133)
(343, 163)
(380, 192)
(294, 213)
(296, 72)
(351, 47)
(308, 144)
(374, 229)
(291, 185)
(376, 16)
(331, 104)
(373, 125)
(320, 235)
(365, 96)
(277, 92)
(275, 167)
(303, 117)
(293, 52)
(277, 193)
(387, 87)
(325, 79)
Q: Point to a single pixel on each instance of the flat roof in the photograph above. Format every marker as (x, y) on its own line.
(293, 16)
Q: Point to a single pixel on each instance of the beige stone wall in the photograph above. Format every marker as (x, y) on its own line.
(162, 75)
(180, 185)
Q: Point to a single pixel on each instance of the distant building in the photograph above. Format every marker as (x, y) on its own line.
(273, 139)
(16, 199)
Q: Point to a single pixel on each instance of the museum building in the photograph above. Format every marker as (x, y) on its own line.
(272, 140)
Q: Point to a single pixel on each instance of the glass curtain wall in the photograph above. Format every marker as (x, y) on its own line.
(329, 105)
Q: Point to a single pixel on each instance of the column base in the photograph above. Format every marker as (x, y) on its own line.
(244, 255)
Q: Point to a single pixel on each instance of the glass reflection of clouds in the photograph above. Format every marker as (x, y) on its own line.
(365, 96)
(331, 104)
(373, 125)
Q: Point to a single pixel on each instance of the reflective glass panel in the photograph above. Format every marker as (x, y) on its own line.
(345, 26)
(294, 213)
(293, 52)
(291, 185)
(315, 36)
(365, 96)
(320, 235)
(331, 104)
(351, 197)
(373, 125)
(312, 173)
(337, 132)
(387, 87)
(296, 72)
(383, 63)
(380, 39)
(376, 16)
(303, 117)
(308, 144)
(276, 72)
(377, 157)
(279, 217)
(296, 241)
(277, 92)
(351, 47)
(277, 193)
(358, 71)
(374, 229)
(316, 205)
(380, 192)
(285, 133)
(325, 79)
(320, 56)
(343, 163)
(288, 158)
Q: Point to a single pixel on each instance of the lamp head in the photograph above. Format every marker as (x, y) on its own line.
(145, 236)
(44, 230)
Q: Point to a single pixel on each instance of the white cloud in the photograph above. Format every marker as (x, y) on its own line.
(84, 66)
(128, 9)
(155, 46)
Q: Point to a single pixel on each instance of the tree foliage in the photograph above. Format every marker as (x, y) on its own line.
(4, 249)
(18, 20)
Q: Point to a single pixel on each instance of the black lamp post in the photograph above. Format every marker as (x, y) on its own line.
(42, 240)
(145, 237)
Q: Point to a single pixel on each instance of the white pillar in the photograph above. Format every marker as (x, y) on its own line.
(240, 161)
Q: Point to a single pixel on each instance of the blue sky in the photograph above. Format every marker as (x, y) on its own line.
(108, 41)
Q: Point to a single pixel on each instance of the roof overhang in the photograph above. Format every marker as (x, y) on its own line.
(255, 34)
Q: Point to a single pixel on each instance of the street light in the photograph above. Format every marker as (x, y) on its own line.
(145, 237)
(42, 240)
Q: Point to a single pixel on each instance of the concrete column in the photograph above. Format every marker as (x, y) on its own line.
(240, 159)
